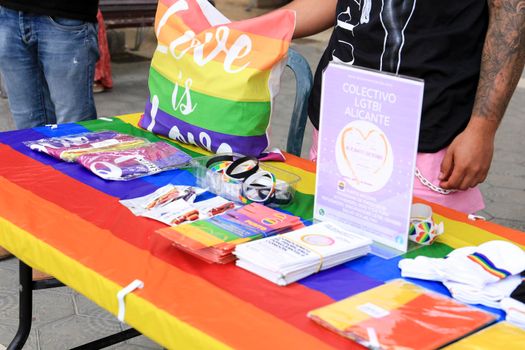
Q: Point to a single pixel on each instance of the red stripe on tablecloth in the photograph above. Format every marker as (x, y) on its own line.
(289, 304)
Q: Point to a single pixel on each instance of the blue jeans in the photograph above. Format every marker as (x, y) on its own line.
(48, 65)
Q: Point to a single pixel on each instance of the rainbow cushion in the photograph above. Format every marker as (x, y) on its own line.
(212, 82)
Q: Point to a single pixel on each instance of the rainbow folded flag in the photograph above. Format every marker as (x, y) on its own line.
(401, 315)
(212, 81)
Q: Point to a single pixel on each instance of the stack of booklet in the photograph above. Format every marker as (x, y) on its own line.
(214, 239)
(286, 258)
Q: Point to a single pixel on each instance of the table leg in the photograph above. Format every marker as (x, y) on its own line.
(25, 307)
(25, 317)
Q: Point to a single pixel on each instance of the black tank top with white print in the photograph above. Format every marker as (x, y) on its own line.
(438, 41)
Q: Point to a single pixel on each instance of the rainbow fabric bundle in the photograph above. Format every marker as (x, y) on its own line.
(212, 81)
(69, 147)
(400, 315)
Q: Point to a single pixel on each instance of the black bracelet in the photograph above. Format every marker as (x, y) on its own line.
(243, 174)
(217, 159)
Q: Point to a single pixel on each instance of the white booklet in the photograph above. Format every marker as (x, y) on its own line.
(286, 258)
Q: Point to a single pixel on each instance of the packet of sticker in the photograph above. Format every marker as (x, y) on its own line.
(162, 197)
(175, 205)
(215, 238)
(69, 147)
(401, 315)
(129, 164)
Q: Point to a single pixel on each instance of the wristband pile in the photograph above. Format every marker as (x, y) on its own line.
(242, 179)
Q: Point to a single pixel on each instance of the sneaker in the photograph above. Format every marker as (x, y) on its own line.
(98, 87)
(40, 276)
(37, 275)
(4, 254)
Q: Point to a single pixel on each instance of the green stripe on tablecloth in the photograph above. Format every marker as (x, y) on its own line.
(236, 118)
(302, 204)
(436, 250)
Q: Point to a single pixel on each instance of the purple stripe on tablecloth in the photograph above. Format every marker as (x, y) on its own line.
(339, 282)
(119, 189)
(165, 124)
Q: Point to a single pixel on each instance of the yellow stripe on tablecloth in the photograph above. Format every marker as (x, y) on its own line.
(160, 325)
(501, 335)
(307, 183)
(466, 235)
(132, 118)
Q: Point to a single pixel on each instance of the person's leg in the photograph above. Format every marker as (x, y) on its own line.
(22, 75)
(315, 145)
(103, 67)
(68, 51)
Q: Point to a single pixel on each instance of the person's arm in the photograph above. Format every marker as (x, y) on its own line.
(313, 16)
(468, 157)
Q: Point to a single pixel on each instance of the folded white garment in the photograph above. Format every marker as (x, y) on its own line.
(515, 311)
(492, 261)
(490, 295)
(476, 266)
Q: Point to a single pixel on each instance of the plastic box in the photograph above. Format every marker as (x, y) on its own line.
(286, 182)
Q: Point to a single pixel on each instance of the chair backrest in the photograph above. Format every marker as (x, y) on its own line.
(3, 93)
(303, 83)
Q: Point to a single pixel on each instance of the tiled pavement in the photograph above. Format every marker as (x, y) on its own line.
(63, 318)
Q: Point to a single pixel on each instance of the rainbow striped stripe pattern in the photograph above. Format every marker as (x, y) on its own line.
(488, 265)
(212, 82)
(97, 246)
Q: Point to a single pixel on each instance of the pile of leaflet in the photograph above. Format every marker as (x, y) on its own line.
(286, 258)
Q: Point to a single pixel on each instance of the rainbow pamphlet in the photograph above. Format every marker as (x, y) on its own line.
(286, 258)
(368, 139)
(401, 315)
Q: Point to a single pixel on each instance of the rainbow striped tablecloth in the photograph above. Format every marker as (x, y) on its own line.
(61, 219)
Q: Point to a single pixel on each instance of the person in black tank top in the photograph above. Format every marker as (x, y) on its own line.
(470, 54)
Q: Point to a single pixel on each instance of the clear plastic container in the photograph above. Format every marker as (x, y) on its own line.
(232, 189)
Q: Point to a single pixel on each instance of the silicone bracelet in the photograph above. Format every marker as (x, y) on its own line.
(218, 159)
(230, 170)
(259, 183)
